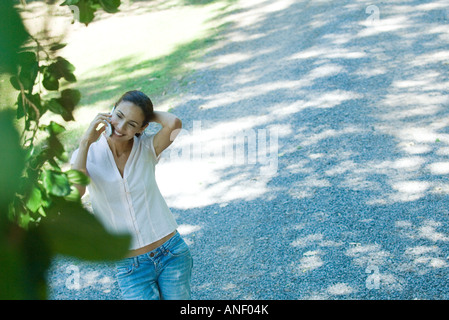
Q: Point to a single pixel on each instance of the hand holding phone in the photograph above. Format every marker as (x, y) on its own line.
(108, 126)
(108, 130)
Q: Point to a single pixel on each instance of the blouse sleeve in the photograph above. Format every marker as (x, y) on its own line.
(74, 155)
(147, 140)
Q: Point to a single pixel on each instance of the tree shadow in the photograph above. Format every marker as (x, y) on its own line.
(162, 77)
(357, 206)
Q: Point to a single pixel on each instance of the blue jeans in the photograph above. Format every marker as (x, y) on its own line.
(163, 273)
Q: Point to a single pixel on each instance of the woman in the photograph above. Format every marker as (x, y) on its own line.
(126, 198)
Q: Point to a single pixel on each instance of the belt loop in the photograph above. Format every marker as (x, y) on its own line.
(136, 261)
(165, 246)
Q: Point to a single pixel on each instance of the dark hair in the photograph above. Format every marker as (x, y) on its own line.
(141, 100)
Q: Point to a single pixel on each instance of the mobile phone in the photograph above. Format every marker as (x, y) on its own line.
(108, 130)
(109, 127)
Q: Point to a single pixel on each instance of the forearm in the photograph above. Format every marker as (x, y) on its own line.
(167, 120)
(90, 136)
(171, 126)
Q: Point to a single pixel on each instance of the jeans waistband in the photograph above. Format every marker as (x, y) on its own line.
(162, 249)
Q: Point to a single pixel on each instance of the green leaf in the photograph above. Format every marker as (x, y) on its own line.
(77, 177)
(15, 82)
(50, 81)
(69, 2)
(54, 106)
(54, 128)
(12, 159)
(24, 264)
(25, 107)
(69, 99)
(12, 36)
(34, 200)
(56, 183)
(66, 69)
(65, 105)
(37, 258)
(60, 69)
(58, 46)
(41, 211)
(74, 195)
(86, 11)
(12, 268)
(56, 149)
(29, 68)
(110, 6)
(21, 109)
(74, 231)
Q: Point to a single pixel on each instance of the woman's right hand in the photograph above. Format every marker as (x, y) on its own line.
(96, 127)
(94, 130)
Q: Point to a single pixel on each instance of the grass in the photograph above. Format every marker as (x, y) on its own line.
(150, 46)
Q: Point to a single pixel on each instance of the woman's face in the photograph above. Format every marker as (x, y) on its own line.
(127, 120)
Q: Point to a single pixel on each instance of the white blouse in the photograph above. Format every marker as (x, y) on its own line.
(132, 204)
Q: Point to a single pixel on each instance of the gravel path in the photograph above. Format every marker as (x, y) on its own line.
(356, 93)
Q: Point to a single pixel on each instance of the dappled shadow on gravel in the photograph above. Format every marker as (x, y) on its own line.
(357, 207)
(355, 99)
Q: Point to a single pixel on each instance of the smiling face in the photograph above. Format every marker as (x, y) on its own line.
(127, 120)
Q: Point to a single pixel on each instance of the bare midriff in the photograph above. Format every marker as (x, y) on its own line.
(151, 246)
